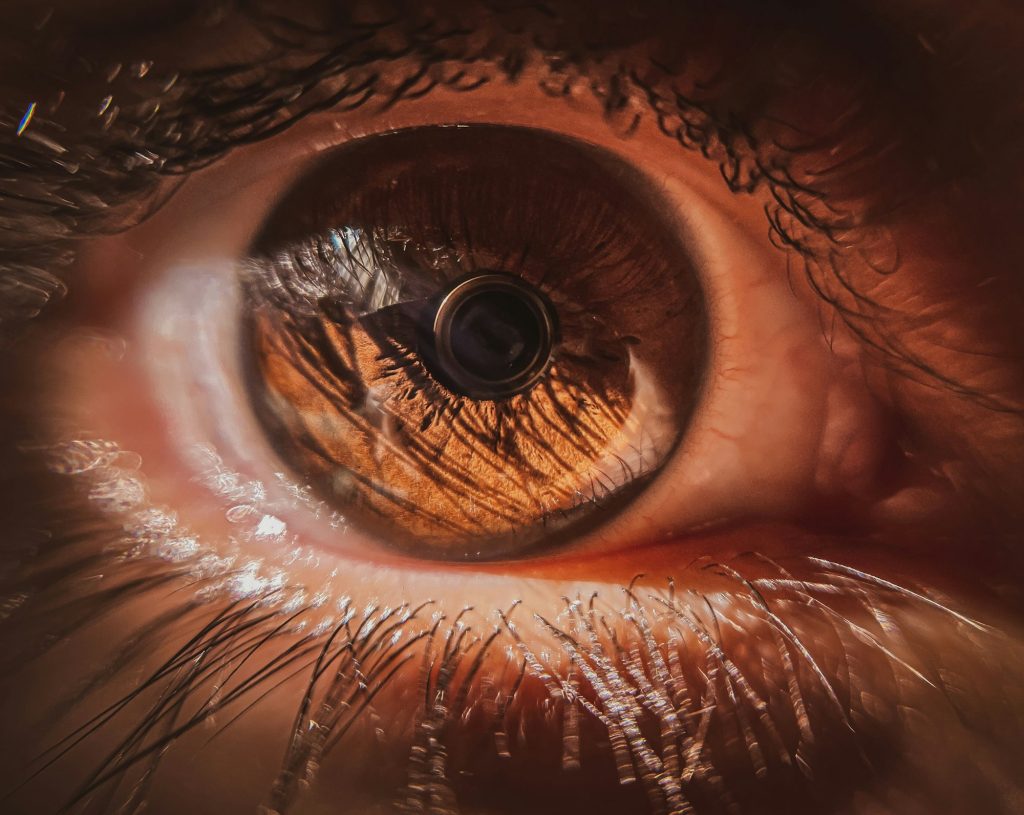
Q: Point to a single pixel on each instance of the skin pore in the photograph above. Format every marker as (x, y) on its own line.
(813, 608)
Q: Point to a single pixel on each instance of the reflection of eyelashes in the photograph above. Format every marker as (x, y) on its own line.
(236, 639)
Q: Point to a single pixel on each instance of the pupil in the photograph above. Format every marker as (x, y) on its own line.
(495, 335)
(492, 337)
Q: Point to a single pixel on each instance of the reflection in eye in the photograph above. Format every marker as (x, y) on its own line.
(345, 325)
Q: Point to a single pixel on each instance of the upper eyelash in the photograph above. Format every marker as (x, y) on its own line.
(108, 179)
(173, 130)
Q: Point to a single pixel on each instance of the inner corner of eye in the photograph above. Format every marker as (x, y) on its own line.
(475, 342)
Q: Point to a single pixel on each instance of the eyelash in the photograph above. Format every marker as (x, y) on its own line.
(175, 131)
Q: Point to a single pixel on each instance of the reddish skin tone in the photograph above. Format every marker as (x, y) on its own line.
(958, 535)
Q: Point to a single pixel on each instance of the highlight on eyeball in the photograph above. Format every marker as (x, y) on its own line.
(475, 407)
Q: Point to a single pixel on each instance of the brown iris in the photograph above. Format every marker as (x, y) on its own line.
(473, 341)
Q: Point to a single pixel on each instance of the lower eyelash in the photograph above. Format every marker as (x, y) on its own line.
(609, 691)
(660, 677)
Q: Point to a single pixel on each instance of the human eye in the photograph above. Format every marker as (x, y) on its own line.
(489, 409)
